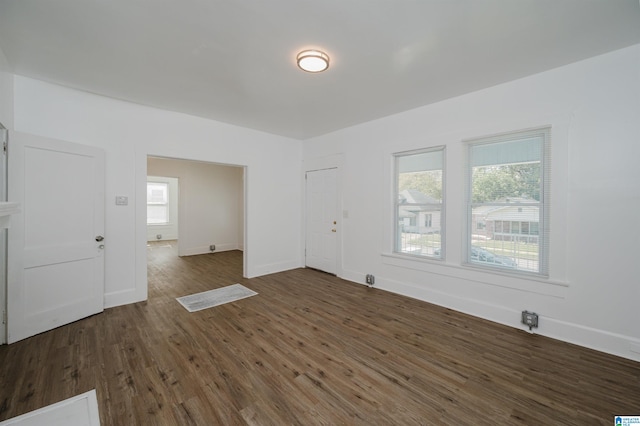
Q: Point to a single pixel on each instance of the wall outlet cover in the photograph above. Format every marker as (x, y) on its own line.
(530, 319)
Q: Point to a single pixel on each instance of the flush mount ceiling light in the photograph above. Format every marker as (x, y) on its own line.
(313, 60)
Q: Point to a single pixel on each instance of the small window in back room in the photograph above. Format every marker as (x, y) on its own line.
(419, 205)
(157, 203)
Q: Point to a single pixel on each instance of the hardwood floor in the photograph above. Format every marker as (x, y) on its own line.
(310, 349)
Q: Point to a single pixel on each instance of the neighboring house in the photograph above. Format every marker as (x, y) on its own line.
(421, 214)
(507, 223)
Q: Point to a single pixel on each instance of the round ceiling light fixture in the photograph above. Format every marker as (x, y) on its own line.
(313, 60)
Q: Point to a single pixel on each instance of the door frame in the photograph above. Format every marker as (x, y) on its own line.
(322, 163)
(4, 141)
(142, 285)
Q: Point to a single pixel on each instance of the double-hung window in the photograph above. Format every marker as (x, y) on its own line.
(157, 203)
(419, 206)
(508, 202)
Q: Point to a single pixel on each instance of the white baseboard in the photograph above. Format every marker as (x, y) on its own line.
(165, 237)
(124, 297)
(271, 268)
(205, 249)
(600, 340)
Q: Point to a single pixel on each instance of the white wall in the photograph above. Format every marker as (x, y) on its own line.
(210, 206)
(592, 295)
(129, 133)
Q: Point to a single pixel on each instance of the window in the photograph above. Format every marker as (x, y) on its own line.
(419, 212)
(157, 203)
(508, 206)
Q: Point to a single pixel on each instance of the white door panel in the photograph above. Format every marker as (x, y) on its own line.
(322, 228)
(41, 256)
(56, 266)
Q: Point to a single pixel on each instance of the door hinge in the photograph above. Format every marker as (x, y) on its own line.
(4, 316)
(4, 136)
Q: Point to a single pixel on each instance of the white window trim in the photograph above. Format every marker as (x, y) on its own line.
(394, 195)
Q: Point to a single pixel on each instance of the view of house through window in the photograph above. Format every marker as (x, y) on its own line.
(419, 202)
(507, 202)
(157, 203)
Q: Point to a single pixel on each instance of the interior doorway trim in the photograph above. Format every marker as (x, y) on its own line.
(4, 140)
(141, 221)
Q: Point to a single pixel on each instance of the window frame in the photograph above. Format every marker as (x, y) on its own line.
(396, 244)
(544, 205)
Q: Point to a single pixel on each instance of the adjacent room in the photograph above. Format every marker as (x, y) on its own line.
(194, 206)
(308, 213)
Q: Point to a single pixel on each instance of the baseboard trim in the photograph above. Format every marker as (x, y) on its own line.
(591, 338)
(124, 297)
(271, 268)
(205, 249)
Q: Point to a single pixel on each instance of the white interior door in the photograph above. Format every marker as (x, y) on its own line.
(322, 220)
(55, 247)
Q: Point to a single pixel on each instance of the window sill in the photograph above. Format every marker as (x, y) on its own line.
(478, 274)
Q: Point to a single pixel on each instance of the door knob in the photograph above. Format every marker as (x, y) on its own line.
(99, 238)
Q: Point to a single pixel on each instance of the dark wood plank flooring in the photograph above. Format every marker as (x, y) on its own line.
(310, 349)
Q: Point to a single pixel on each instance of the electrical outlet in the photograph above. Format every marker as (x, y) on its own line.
(212, 247)
(370, 279)
(530, 319)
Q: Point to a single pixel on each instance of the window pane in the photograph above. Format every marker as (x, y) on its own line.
(505, 193)
(420, 187)
(505, 242)
(419, 203)
(157, 192)
(157, 214)
(505, 183)
(157, 202)
(414, 235)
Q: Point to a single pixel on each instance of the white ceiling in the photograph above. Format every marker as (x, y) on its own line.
(234, 60)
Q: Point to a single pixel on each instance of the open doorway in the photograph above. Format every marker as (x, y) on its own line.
(198, 206)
